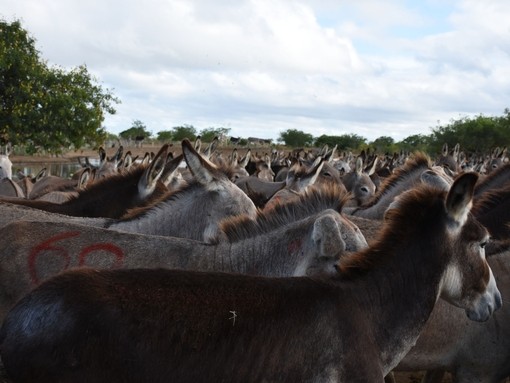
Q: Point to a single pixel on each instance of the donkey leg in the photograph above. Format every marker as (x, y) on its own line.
(390, 378)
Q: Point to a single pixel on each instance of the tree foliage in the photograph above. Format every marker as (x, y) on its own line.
(47, 107)
(343, 142)
(138, 129)
(179, 133)
(384, 144)
(164, 135)
(415, 142)
(295, 138)
(475, 135)
(207, 135)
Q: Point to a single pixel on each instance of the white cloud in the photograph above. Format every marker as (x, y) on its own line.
(259, 67)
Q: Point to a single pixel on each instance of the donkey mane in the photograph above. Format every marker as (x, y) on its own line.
(126, 178)
(420, 160)
(418, 208)
(491, 199)
(492, 177)
(310, 202)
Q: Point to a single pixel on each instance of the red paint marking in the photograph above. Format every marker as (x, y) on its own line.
(294, 246)
(49, 245)
(46, 246)
(117, 251)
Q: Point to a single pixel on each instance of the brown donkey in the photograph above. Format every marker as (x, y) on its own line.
(160, 325)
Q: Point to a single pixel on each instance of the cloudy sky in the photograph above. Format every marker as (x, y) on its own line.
(259, 67)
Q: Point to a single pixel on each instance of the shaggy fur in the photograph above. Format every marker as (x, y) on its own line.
(420, 161)
(312, 201)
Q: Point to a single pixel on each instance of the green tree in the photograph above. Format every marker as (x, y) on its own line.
(207, 135)
(384, 144)
(477, 134)
(138, 129)
(296, 138)
(343, 142)
(415, 142)
(164, 135)
(179, 133)
(44, 106)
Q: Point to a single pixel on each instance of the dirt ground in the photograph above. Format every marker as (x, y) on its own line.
(74, 155)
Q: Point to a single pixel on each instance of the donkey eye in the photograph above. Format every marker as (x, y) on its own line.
(483, 244)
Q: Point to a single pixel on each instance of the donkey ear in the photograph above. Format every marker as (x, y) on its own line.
(203, 171)
(102, 156)
(315, 172)
(460, 196)
(150, 176)
(445, 149)
(246, 160)
(84, 178)
(171, 166)
(41, 174)
(327, 237)
(359, 165)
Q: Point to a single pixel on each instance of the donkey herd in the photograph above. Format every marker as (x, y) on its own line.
(207, 266)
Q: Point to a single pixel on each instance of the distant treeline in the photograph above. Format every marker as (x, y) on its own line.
(476, 135)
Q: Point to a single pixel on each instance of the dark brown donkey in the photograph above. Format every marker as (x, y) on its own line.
(113, 196)
(155, 325)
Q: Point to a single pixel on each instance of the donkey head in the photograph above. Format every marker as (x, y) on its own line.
(333, 236)
(468, 281)
(5, 164)
(220, 197)
(359, 184)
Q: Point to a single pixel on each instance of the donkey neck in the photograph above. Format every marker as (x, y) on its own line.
(390, 189)
(400, 296)
(277, 253)
(168, 218)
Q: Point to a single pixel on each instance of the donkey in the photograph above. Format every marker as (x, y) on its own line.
(83, 325)
(108, 165)
(494, 180)
(299, 179)
(112, 196)
(49, 183)
(195, 210)
(449, 161)
(6, 164)
(359, 184)
(286, 243)
(472, 352)
(26, 182)
(9, 188)
(258, 190)
(492, 209)
(401, 180)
